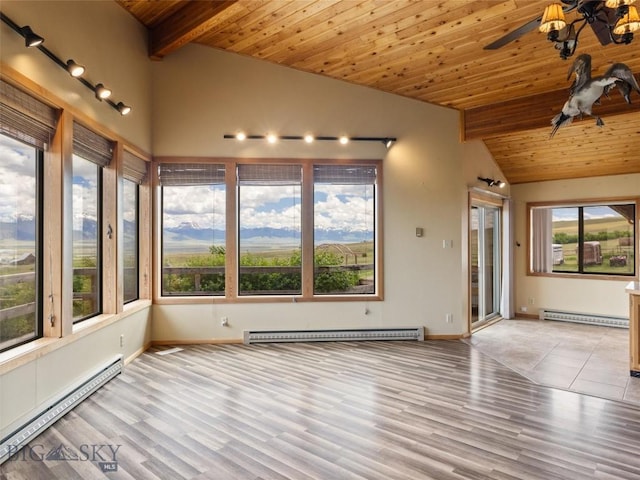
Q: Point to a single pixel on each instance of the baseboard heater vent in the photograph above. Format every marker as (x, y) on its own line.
(602, 320)
(349, 335)
(23, 435)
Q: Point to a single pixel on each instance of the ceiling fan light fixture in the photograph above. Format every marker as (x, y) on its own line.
(628, 23)
(552, 19)
(618, 3)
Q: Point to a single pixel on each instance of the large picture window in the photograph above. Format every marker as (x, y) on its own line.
(270, 228)
(193, 228)
(130, 240)
(26, 130)
(134, 173)
(20, 245)
(596, 239)
(344, 229)
(288, 228)
(91, 153)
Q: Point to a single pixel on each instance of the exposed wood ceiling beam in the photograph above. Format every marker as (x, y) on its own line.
(184, 26)
(536, 111)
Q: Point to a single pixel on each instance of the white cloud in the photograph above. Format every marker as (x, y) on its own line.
(346, 207)
(202, 205)
(17, 180)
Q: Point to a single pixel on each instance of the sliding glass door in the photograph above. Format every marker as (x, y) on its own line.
(485, 257)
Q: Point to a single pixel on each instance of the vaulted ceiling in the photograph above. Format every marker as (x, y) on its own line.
(432, 51)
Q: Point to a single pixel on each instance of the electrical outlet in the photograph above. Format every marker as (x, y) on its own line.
(532, 301)
(224, 321)
(449, 318)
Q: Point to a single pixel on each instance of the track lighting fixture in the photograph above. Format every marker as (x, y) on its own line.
(492, 182)
(76, 70)
(308, 138)
(31, 39)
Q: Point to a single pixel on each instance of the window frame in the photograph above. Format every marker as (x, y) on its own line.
(576, 204)
(232, 237)
(39, 250)
(99, 150)
(260, 180)
(125, 300)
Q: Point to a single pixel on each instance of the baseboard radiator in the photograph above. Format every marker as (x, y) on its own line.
(347, 335)
(590, 319)
(40, 422)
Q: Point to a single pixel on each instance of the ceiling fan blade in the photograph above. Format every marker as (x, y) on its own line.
(514, 34)
(600, 26)
(527, 27)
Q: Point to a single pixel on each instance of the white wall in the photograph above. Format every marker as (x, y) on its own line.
(604, 297)
(25, 390)
(104, 38)
(112, 46)
(200, 94)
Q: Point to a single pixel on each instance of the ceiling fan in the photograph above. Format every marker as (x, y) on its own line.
(612, 21)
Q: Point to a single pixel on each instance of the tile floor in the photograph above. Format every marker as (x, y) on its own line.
(582, 358)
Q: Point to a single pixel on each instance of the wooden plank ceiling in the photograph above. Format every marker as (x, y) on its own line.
(430, 51)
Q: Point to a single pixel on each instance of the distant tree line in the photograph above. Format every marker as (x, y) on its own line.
(565, 238)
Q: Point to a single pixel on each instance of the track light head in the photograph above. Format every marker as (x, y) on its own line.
(31, 39)
(74, 69)
(123, 109)
(102, 92)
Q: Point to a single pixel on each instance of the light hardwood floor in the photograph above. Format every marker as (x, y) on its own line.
(364, 410)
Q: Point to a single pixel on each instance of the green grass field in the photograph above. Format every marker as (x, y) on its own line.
(609, 248)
